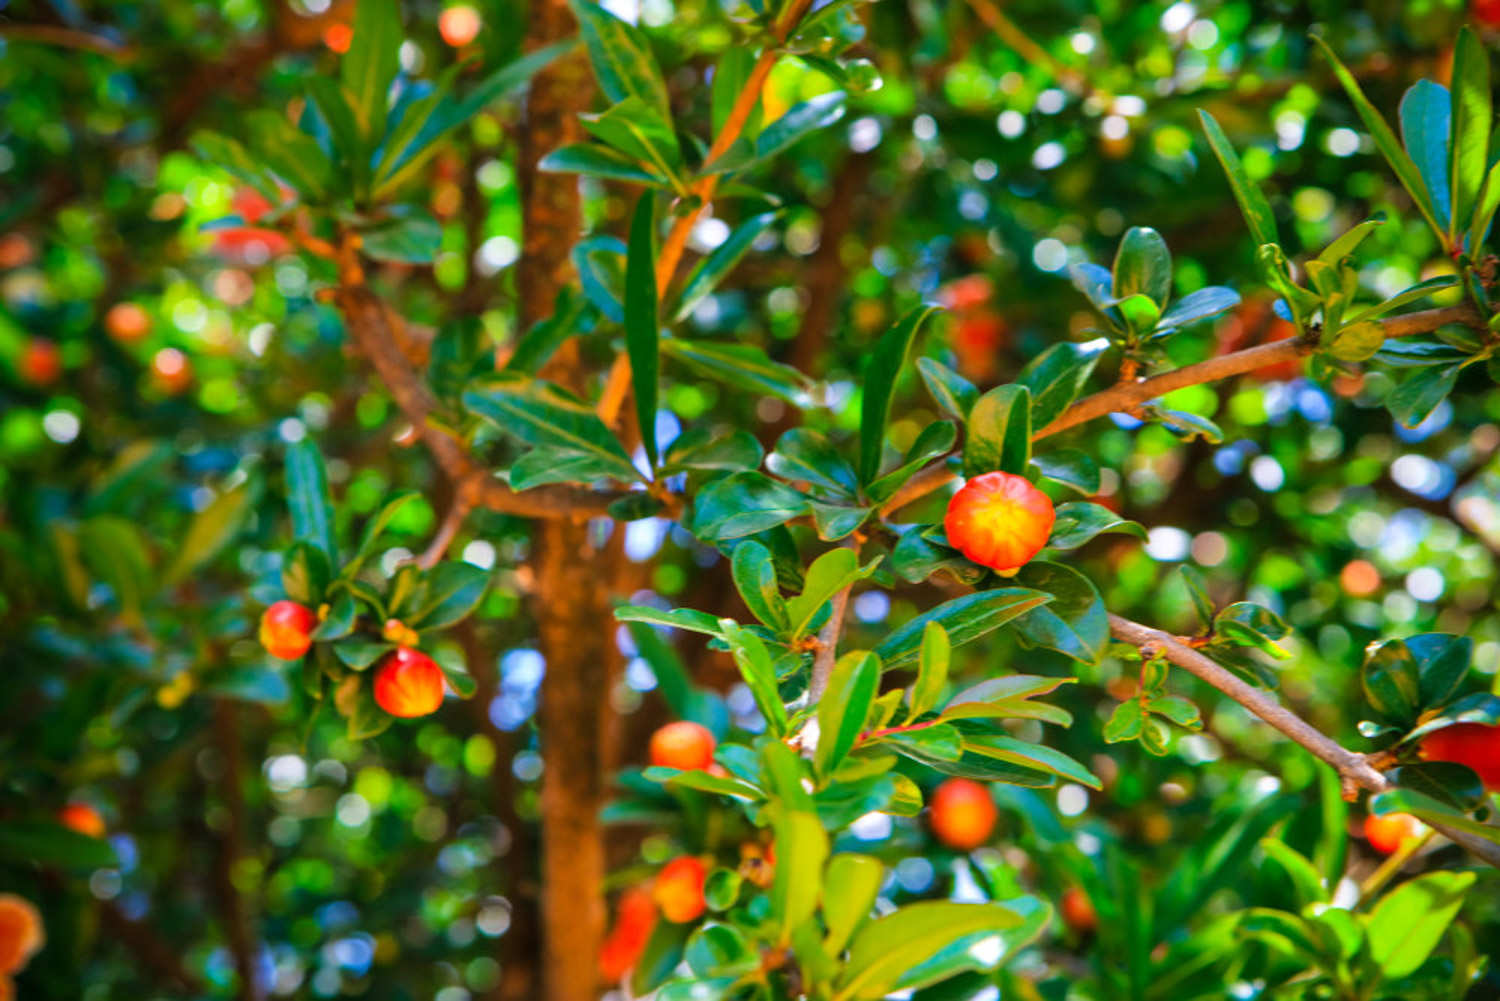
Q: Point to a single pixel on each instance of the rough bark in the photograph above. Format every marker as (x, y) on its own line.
(571, 604)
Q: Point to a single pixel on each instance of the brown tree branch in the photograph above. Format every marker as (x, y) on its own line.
(1125, 395)
(1354, 769)
(239, 929)
(828, 638)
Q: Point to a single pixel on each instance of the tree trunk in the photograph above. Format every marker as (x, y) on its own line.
(571, 604)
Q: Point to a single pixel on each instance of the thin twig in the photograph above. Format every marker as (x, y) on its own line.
(1123, 396)
(67, 38)
(464, 495)
(617, 385)
(1027, 49)
(828, 639)
(1354, 769)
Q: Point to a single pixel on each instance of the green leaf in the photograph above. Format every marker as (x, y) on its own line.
(850, 886)
(1069, 467)
(1177, 709)
(1456, 786)
(293, 154)
(1029, 755)
(1252, 201)
(844, 707)
(371, 63)
(1199, 305)
(999, 432)
(453, 591)
(676, 618)
(663, 952)
(1425, 113)
(1356, 342)
(754, 662)
(1430, 811)
(1410, 921)
(1056, 377)
(546, 336)
(1484, 209)
(1420, 290)
(884, 950)
(1074, 623)
(1419, 395)
(719, 950)
(801, 850)
(1125, 723)
(1385, 140)
(916, 558)
(743, 504)
(359, 654)
(878, 385)
(232, 156)
(414, 238)
(1442, 664)
(1197, 589)
(722, 888)
(342, 612)
(965, 618)
(755, 578)
(1143, 266)
(641, 134)
(935, 440)
(1302, 874)
(212, 529)
(714, 268)
(932, 671)
(744, 365)
(1470, 145)
(1249, 624)
(951, 391)
(600, 262)
(699, 449)
(1078, 522)
(548, 464)
(307, 497)
(1009, 697)
(539, 413)
(807, 455)
(621, 57)
(337, 108)
(828, 575)
(594, 160)
(641, 332)
(29, 843)
(1392, 682)
(798, 122)
(704, 782)
(305, 574)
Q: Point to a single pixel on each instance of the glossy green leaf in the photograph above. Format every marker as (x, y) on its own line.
(1074, 622)
(744, 365)
(232, 156)
(999, 432)
(951, 391)
(336, 105)
(538, 413)
(742, 504)
(801, 851)
(1469, 147)
(829, 574)
(798, 122)
(1409, 922)
(714, 268)
(641, 334)
(850, 886)
(754, 662)
(293, 154)
(639, 133)
(371, 64)
(885, 949)
(1030, 755)
(935, 440)
(1391, 682)
(308, 499)
(453, 591)
(32, 843)
(596, 160)
(1420, 393)
(1078, 522)
(880, 383)
(1143, 266)
(844, 707)
(1198, 306)
(414, 238)
(1056, 377)
(1070, 467)
(698, 448)
(1426, 116)
(305, 573)
(1125, 723)
(932, 669)
(621, 57)
(212, 528)
(966, 618)
(755, 578)
(1252, 201)
(805, 455)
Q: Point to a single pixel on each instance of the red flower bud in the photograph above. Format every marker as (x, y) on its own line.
(408, 683)
(999, 520)
(286, 630)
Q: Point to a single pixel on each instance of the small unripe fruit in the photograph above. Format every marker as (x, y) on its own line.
(679, 889)
(20, 932)
(127, 322)
(1078, 911)
(1472, 744)
(963, 814)
(684, 745)
(459, 25)
(999, 520)
(41, 362)
(635, 917)
(286, 630)
(408, 683)
(1387, 833)
(82, 818)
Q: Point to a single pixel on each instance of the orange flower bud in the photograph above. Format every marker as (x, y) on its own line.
(963, 814)
(679, 889)
(82, 818)
(999, 520)
(408, 683)
(20, 932)
(286, 630)
(1474, 744)
(684, 745)
(1387, 833)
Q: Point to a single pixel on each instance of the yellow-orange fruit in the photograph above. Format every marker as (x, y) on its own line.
(286, 629)
(999, 520)
(1387, 833)
(127, 322)
(1078, 910)
(1474, 744)
(684, 745)
(408, 683)
(82, 818)
(963, 814)
(635, 917)
(679, 889)
(20, 932)
(459, 25)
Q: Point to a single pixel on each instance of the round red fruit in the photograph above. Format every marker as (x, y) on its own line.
(1388, 833)
(82, 818)
(1078, 911)
(679, 889)
(408, 683)
(41, 362)
(963, 814)
(127, 322)
(684, 744)
(999, 520)
(286, 630)
(1474, 744)
(459, 25)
